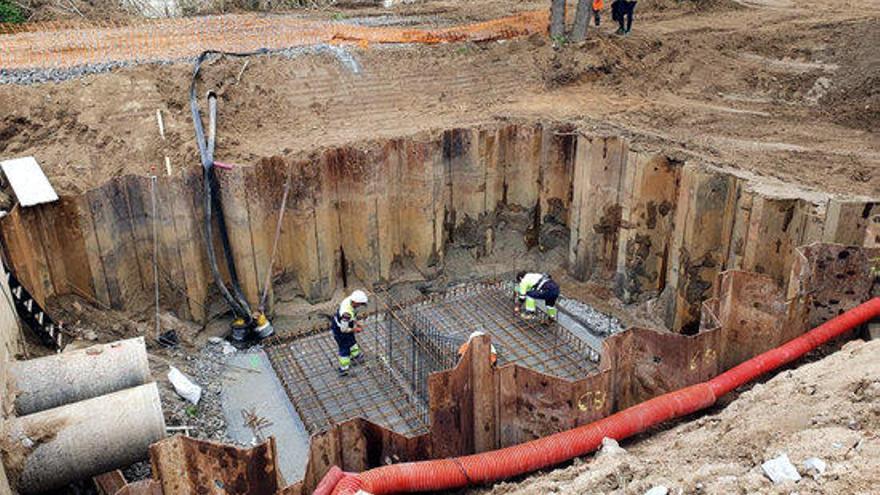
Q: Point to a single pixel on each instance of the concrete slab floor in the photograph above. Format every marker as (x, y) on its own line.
(262, 394)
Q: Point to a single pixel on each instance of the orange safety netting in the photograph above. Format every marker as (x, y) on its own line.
(65, 45)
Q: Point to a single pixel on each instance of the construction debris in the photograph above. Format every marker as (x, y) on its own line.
(184, 386)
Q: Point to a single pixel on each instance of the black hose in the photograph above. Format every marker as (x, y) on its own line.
(237, 302)
(235, 298)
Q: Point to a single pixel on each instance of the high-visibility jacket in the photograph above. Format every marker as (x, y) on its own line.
(493, 356)
(598, 5)
(531, 281)
(345, 318)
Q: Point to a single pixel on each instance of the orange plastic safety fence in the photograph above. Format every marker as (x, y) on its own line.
(65, 45)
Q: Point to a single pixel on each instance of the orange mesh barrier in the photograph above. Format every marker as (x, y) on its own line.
(65, 45)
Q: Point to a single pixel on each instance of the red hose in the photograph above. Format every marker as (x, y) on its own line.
(489, 467)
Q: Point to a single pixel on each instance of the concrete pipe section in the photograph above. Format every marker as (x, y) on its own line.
(69, 377)
(56, 447)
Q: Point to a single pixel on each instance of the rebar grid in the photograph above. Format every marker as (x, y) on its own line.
(404, 344)
(307, 369)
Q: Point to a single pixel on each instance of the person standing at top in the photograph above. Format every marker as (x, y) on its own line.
(598, 5)
(622, 12)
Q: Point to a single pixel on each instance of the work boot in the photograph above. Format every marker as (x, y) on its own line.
(620, 32)
(342, 371)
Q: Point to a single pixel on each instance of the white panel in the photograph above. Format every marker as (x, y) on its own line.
(28, 181)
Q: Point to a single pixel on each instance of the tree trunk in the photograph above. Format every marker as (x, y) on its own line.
(557, 19)
(582, 20)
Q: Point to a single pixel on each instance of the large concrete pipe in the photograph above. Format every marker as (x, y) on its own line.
(50, 449)
(69, 377)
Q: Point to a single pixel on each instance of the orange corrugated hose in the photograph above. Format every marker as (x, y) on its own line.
(489, 467)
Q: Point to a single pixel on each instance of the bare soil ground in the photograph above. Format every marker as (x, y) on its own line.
(779, 88)
(828, 409)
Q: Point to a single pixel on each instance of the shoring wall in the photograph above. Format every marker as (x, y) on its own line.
(369, 205)
(650, 224)
(476, 407)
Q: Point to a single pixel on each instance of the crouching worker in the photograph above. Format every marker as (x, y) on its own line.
(532, 286)
(493, 357)
(345, 326)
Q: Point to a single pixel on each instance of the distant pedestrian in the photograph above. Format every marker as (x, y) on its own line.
(622, 12)
(598, 5)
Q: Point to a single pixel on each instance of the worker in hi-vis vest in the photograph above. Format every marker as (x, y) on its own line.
(493, 356)
(532, 286)
(344, 326)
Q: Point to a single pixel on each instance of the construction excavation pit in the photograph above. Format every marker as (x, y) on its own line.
(404, 344)
(427, 246)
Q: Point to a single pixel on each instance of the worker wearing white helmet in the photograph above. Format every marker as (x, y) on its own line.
(344, 327)
(493, 356)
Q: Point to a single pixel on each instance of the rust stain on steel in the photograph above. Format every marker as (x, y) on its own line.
(185, 465)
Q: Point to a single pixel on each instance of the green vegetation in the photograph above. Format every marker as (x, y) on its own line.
(10, 12)
(559, 39)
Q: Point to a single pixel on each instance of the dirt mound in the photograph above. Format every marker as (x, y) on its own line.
(828, 409)
(854, 96)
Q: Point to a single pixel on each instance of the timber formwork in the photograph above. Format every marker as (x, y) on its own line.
(405, 343)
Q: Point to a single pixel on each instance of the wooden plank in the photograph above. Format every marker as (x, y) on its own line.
(188, 213)
(23, 260)
(115, 243)
(41, 272)
(93, 251)
(137, 194)
(65, 240)
(172, 275)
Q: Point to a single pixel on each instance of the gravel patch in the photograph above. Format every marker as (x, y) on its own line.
(55, 75)
(595, 321)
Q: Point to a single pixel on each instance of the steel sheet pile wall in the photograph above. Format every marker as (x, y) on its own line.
(371, 205)
(646, 222)
(657, 225)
